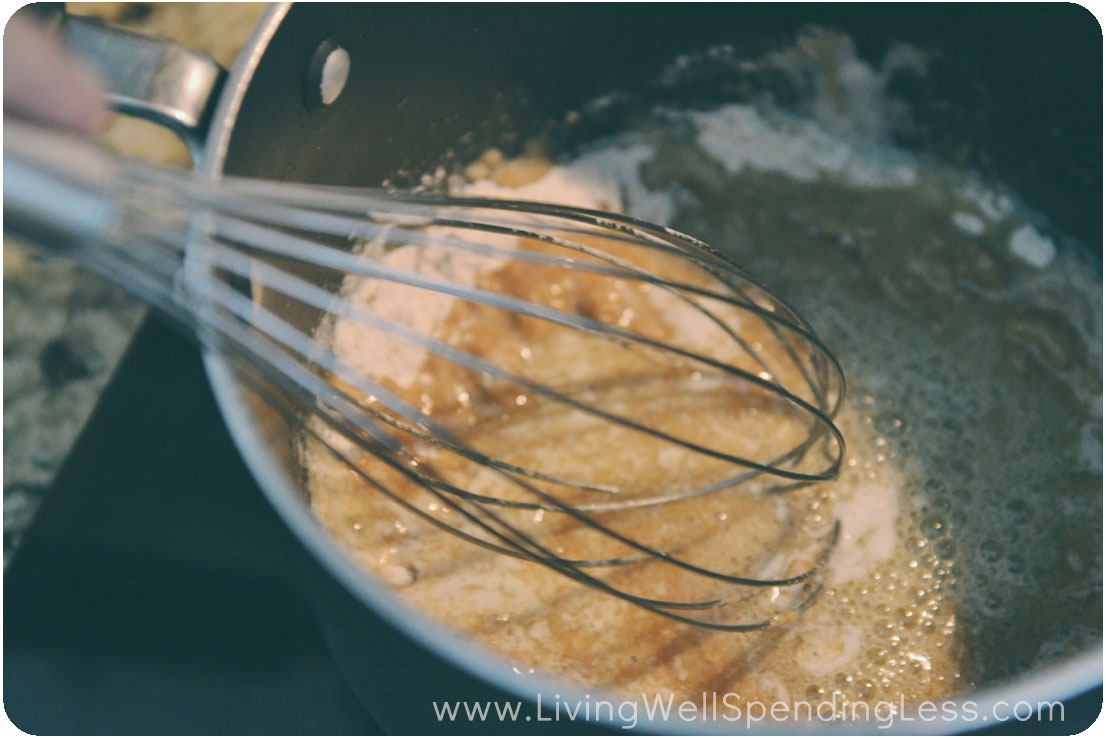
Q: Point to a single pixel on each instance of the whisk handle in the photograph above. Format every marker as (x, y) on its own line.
(55, 187)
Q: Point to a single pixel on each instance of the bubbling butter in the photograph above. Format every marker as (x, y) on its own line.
(882, 598)
(972, 342)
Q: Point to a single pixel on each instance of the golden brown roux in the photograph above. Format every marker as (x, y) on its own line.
(882, 627)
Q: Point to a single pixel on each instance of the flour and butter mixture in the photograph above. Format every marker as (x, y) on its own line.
(971, 340)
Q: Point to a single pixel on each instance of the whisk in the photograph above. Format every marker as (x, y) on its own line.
(540, 342)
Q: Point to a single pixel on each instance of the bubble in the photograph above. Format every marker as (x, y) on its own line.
(945, 547)
(990, 552)
(934, 526)
(1019, 511)
(890, 426)
(1016, 565)
(934, 488)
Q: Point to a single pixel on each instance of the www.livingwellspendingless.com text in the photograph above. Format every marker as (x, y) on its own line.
(730, 708)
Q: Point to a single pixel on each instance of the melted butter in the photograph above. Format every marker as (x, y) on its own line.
(973, 426)
(870, 615)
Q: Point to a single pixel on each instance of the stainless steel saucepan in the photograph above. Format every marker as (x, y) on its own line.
(430, 84)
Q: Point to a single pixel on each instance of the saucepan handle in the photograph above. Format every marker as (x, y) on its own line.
(149, 77)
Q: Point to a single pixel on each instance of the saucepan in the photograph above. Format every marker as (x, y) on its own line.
(434, 85)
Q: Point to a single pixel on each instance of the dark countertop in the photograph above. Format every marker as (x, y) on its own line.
(157, 595)
(65, 329)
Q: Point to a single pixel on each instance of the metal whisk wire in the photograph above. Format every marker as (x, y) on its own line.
(202, 251)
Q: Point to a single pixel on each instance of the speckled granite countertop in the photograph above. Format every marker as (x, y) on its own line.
(64, 328)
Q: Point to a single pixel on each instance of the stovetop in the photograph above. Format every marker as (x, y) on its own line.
(157, 591)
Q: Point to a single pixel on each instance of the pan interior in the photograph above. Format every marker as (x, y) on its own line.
(989, 363)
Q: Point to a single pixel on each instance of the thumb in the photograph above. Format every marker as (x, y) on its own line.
(43, 83)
